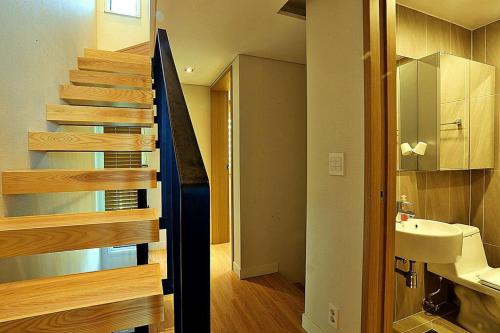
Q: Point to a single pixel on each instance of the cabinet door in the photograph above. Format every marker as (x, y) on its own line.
(454, 113)
(454, 139)
(482, 115)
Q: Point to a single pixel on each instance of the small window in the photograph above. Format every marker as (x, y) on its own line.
(124, 7)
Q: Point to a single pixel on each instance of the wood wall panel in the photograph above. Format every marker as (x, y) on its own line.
(461, 42)
(411, 33)
(490, 45)
(459, 196)
(438, 35)
(493, 49)
(411, 36)
(486, 184)
(479, 45)
(419, 35)
(440, 195)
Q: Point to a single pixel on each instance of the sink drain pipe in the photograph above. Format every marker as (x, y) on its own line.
(410, 275)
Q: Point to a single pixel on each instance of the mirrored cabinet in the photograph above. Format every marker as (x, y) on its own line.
(446, 108)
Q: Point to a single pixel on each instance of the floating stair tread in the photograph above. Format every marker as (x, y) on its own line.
(113, 66)
(99, 116)
(97, 96)
(117, 56)
(28, 235)
(88, 302)
(60, 180)
(105, 79)
(90, 142)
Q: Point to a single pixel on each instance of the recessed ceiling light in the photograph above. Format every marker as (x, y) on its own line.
(189, 69)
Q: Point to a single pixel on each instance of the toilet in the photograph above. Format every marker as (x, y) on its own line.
(477, 285)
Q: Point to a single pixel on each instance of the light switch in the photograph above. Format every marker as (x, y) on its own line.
(336, 164)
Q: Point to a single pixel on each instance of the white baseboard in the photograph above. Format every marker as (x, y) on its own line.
(237, 269)
(249, 272)
(309, 326)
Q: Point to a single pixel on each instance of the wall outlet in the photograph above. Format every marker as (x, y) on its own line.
(333, 316)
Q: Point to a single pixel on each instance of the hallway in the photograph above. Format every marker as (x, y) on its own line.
(265, 304)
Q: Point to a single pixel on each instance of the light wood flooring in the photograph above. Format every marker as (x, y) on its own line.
(266, 304)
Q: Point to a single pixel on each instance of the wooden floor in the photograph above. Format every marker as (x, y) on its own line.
(266, 304)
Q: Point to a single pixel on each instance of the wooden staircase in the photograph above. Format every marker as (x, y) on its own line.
(102, 116)
(58, 180)
(103, 301)
(64, 141)
(108, 89)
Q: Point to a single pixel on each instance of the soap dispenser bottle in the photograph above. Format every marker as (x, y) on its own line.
(404, 209)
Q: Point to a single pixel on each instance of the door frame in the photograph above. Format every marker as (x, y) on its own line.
(380, 165)
(214, 87)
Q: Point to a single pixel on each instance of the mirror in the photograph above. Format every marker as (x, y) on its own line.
(407, 106)
(445, 113)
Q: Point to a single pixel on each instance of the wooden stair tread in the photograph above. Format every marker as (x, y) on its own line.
(99, 116)
(97, 96)
(60, 180)
(87, 302)
(113, 66)
(117, 56)
(105, 79)
(28, 235)
(89, 142)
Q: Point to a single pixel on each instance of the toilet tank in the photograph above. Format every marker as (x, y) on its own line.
(473, 256)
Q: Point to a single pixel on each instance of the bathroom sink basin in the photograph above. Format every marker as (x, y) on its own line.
(428, 241)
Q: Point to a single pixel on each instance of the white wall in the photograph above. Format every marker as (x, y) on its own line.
(270, 155)
(40, 42)
(198, 102)
(335, 204)
(116, 32)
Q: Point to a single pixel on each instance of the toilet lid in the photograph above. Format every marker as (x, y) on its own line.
(491, 278)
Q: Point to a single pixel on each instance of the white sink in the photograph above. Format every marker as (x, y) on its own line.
(428, 241)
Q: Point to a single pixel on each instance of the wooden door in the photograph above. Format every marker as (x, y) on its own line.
(220, 167)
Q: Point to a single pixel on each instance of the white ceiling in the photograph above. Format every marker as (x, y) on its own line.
(209, 34)
(470, 14)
